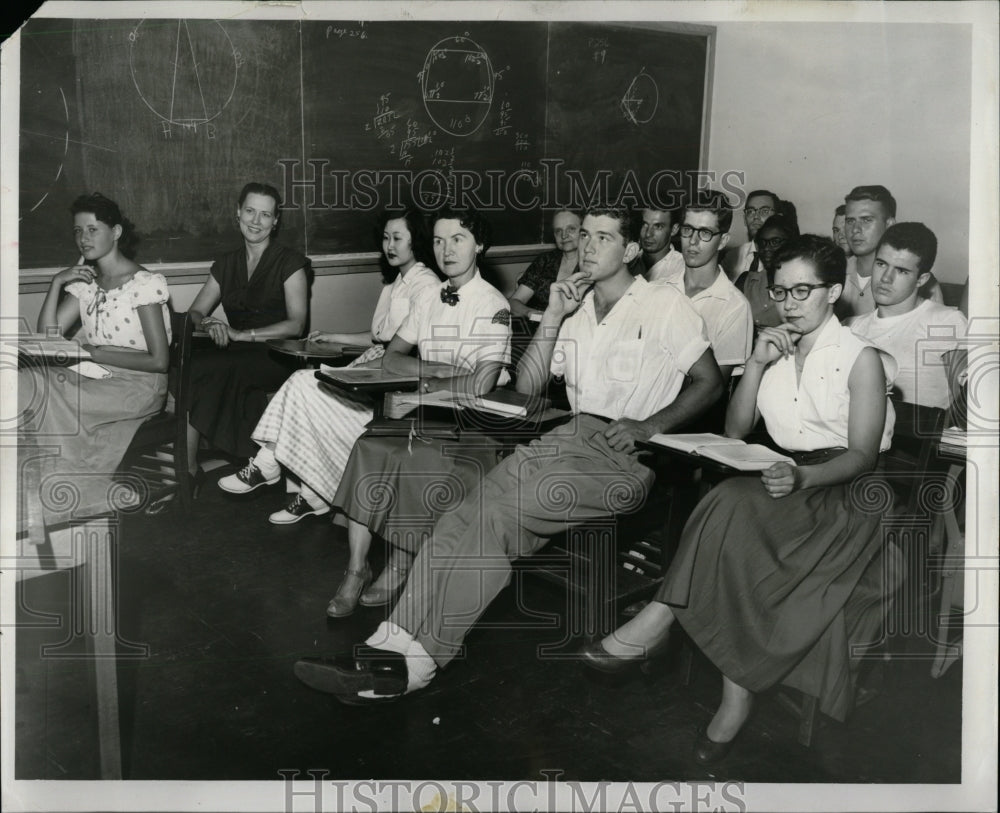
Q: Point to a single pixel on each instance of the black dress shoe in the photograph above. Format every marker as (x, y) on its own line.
(363, 669)
(708, 752)
(597, 657)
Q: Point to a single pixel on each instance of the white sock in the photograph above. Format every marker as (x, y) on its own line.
(391, 637)
(420, 667)
(315, 501)
(267, 463)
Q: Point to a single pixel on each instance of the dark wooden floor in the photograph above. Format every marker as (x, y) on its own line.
(227, 603)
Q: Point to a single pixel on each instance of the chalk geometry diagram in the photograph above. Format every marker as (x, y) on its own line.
(457, 84)
(40, 144)
(202, 67)
(641, 99)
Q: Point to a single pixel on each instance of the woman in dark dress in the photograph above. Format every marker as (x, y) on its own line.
(532, 292)
(264, 290)
(766, 565)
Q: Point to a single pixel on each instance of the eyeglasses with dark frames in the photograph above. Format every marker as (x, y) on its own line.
(703, 234)
(800, 293)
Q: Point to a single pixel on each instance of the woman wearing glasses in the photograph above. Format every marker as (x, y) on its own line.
(122, 309)
(754, 284)
(766, 565)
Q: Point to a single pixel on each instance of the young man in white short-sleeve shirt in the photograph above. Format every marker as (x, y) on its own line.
(924, 337)
(727, 314)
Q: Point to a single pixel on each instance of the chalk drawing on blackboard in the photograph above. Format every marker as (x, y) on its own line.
(641, 99)
(62, 158)
(202, 70)
(457, 82)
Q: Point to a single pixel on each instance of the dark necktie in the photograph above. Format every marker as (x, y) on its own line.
(449, 295)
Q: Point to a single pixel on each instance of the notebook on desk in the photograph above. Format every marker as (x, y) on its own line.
(729, 451)
(38, 344)
(311, 349)
(362, 376)
(511, 402)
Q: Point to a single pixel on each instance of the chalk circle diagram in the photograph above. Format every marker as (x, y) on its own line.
(641, 99)
(457, 84)
(46, 149)
(184, 71)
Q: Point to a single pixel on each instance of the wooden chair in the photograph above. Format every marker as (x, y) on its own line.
(158, 452)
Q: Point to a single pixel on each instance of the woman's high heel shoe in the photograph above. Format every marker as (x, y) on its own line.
(396, 571)
(345, 601)
(597, 657)
(708, 752)
(197, 481)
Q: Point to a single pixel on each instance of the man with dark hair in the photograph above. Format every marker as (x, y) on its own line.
(625, 348)
(924, 337)
(839, 229)
(727, 314)
(868, 212)
(760, 205)
(659, 227)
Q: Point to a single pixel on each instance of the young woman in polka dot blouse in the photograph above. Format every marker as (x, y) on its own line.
(122, 310)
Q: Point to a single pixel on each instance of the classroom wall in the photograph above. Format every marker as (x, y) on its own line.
(811, 110)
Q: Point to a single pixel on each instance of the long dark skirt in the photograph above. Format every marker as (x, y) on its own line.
(760, 584)
(398, 487)
(229, 389)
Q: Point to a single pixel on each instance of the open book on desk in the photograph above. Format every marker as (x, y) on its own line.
(728, 451)
(56, 347)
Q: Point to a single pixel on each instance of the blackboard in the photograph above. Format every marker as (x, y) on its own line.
(172, 117)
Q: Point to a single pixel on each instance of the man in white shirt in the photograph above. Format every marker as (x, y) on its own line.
(626, 348)
(727, 314)
(760, 205)
(869, 211)
(659, 227)
(924, 337)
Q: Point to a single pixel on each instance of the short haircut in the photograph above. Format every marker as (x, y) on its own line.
(763, 192)
(108, 212)
(711, 200)
(913, 237)
(469, 219)
(840, 211)
(676, 213)
(822, 253)
(627, 221)
(876, 193)
(256, 188)
(420, 238)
